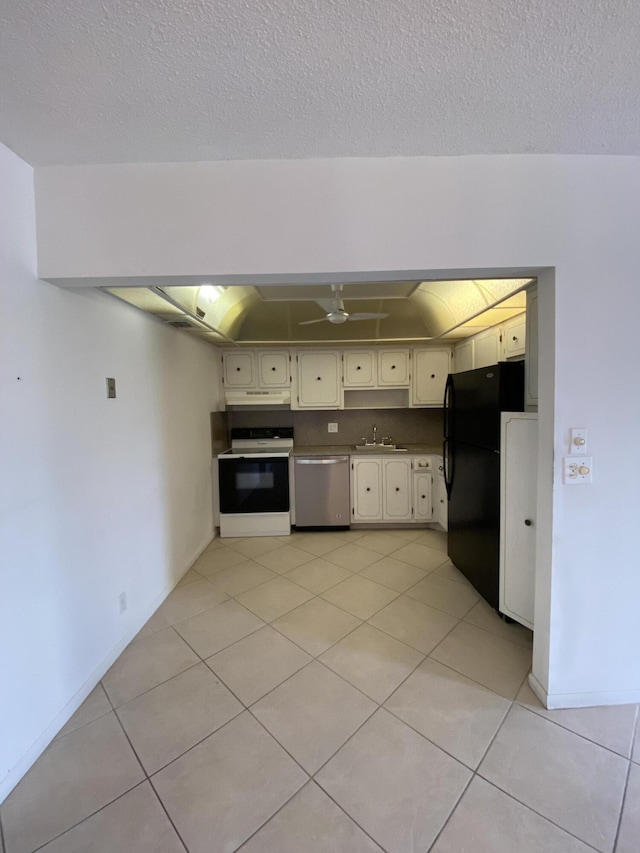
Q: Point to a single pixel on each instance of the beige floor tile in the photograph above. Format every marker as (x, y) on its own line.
(316, 625)
(317, 544)
(455, 713)
(360, 596)
(497, 664)
(395, 784)
(372, 661)
(255, 665)
(189, 600)
(310, 823)
(77, 775)
(256, 546)
(629, 837)
(393, 573)
(146, 663)
(134, 823)
(173, 717)
(484, 616)
(347, 535)
(352, 557)
(380, 542)
(212, 562)
(95, 705)
(190, 577)
(414, 623)
(443, 594)
(221, 791)
(433, 539)
(450, 572)
(572, 782)
(218, 627)
(407, 534)
(312, 714)
(422, 556)
(610, 726)
(215, 545)
(242, 577)
(284, 559)
(488, 821)
(274, 598)
(318, 575)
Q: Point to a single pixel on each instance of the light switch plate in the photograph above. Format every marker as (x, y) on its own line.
(578, 441)
(577, 470)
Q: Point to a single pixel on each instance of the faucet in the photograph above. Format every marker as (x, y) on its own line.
(375, 431)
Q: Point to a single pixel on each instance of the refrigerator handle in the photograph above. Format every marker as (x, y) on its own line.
(448, 407)
(448, 465)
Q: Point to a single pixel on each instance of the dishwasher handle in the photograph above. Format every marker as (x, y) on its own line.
(334, 460)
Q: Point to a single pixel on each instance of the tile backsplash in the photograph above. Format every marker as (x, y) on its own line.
(405, 426)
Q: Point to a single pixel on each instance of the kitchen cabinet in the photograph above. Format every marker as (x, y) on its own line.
(531, 351)
(422, 496)
(396, 485)
(239, 369)
(513, 336)
(440, 495)
(430, 370)
(273, 369)
(518, 488)
(248, 369)
(366, 489)
(393, 368)
(487, 347)
(463, 356)
(319, 375)
(359, 368)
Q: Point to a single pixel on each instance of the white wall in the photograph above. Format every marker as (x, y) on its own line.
(578, 215)
(97, 496)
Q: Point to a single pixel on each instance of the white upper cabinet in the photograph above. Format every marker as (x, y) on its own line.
(319, 379)
(359, 368)
(463, 356)
(239, 369)
(273, 369)
(487, 347)
(393, 368)
(430, 370)
(513, 338)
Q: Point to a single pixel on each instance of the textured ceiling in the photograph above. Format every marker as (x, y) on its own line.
(184, 80)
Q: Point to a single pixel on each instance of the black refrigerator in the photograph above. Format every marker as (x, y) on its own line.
(473, 402)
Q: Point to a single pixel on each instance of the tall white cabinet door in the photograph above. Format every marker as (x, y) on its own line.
(518, 487)
(430, 370)
(393, 368)
(239, 369)
(319, 379)
(366, 489)
(487, 347)
(422, 499)
(440, 506)
(359, 368)
(396, 478)
(273, 369)
(463, 356)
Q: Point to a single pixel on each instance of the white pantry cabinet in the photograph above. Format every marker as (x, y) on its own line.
(430, 370)
(518, 487)
(319, 379)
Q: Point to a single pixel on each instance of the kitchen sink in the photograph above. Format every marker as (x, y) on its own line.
(376, 448)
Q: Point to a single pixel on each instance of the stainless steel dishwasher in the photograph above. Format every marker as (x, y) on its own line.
(322, 491)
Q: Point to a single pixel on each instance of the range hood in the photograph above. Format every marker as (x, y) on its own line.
(279, 397)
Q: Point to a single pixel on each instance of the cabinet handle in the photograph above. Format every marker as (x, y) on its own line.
(528, 522)
(318, 378)
(273, 369)
(423, 497)
(358, 367)
(514, 338)
(368, 489)
(433, 376)
(393, 367)
(397, 488)
(238, 369)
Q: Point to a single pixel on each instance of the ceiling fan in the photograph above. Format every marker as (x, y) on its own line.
(335, 310)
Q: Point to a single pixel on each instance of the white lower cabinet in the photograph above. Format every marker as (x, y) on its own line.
(422, 496)
(396, 489)
(396, 485)
(366, 489)
(518, 489)
(440, 496)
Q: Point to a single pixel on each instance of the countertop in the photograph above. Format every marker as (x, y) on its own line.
(348, 450)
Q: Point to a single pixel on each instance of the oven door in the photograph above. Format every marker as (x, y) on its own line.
(253, 485)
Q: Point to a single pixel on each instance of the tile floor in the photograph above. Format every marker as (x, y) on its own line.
(329, 692)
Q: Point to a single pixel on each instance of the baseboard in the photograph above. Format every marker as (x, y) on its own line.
(34, 752)
(589, 699)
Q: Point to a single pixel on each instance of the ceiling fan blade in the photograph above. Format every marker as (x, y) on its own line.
(310, 322)
(367, 316)
(327, 305)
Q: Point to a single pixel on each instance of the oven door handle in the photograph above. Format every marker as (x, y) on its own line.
(335, 460)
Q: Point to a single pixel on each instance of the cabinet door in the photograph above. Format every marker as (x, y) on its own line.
(531, 350)
(422, 497)
(396, 480)
(518, 487)
(393, 368)
(440, 497)
(487, 347)
(463, 356)
(367, 489)
(430, 370)
(359, 369)
(514, 336)
(319, 379)
(239, 369)
(273, 369)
